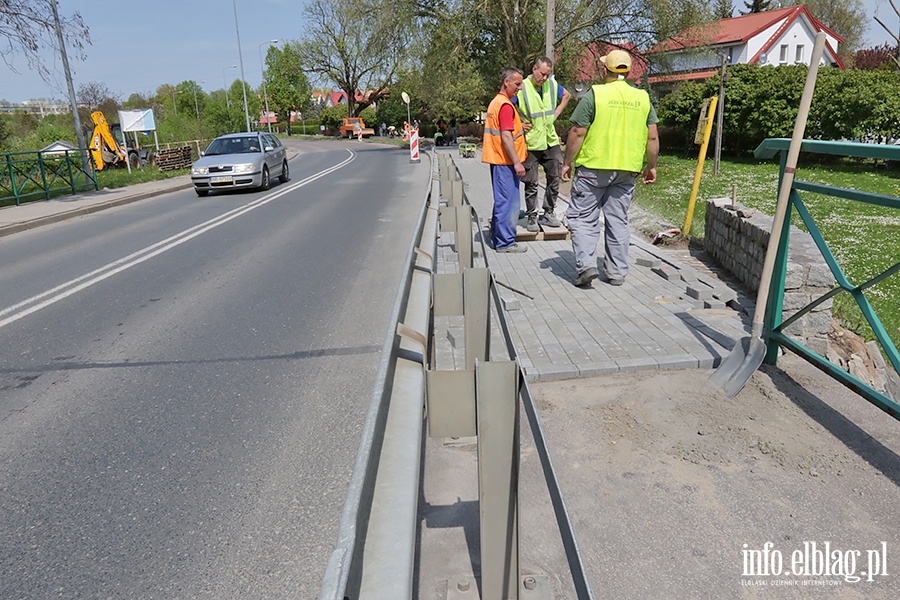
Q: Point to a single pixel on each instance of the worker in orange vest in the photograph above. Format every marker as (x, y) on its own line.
(505, 150)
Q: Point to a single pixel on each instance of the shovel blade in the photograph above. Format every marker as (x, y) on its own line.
(740, 364)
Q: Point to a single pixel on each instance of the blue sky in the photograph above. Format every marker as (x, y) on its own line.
(140, 45)
(137, 46)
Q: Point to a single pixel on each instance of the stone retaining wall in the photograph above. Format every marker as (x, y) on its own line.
(737, 238)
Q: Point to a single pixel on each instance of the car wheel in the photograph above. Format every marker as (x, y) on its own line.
(266, 182)
(285, 174)
(201, 193)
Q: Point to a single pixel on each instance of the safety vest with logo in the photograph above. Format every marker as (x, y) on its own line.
(617, 137)
(539, 109)
(492, 151)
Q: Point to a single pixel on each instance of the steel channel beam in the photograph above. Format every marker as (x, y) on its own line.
(389, 555)
(580, 579)
(412, 297)
(498, 477)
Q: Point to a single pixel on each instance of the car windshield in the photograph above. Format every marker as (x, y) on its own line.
(234, 145)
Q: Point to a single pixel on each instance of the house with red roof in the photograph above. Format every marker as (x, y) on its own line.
(774, 37)
(335, 98)
(587, 66)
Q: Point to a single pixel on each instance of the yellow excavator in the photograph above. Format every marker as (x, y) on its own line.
(108, 148)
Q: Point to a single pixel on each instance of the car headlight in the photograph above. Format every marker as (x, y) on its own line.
(199, 170)
(243, 168)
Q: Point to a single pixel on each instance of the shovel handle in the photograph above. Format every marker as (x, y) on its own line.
(787, 181)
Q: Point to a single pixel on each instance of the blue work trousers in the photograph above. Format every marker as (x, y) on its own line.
(505, 215)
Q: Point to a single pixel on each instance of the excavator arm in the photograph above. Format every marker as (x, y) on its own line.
(104, 148)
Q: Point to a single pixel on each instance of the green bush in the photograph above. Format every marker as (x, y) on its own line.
(331, 117)
(762, 102)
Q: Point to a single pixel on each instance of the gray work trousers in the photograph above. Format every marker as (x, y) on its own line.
(594, 191)
(551, 160)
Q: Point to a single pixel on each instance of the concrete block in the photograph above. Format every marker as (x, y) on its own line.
(698, 292)
(713, 304)
(510, 303)
(653, 263)
(667, 273)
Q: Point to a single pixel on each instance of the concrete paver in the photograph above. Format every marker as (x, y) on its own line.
(650, 322)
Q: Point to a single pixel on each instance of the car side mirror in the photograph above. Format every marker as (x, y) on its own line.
(269, 148)
(202, 153)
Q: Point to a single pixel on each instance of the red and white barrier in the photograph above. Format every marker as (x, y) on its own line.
(414, 146)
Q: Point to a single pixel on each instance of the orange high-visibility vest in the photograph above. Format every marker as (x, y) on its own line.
(493, 152)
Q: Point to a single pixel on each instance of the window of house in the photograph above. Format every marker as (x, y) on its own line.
(799, 58)
(784, 54)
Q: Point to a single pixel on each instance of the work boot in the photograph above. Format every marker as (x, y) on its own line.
(532, 224)
(513, 248)
(614, 280)
(548, 219)
(585, 277)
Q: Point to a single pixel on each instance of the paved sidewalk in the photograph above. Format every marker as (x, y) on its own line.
(667, 315)
(43, 212)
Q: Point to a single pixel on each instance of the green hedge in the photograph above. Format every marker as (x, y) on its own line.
(762, 102)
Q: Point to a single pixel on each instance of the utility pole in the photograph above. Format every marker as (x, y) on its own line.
(72, 100)
(551, 26)
(241, 62)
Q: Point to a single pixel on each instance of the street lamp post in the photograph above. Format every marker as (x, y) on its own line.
(241, 61)
(225, 83)
(197, 106)
(263, 70)
(227, 101)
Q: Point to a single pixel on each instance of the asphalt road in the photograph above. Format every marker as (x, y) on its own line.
(184, 379)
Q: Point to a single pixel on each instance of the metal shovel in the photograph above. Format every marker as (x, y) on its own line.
(747, 355)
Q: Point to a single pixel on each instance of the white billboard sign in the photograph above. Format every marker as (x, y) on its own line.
(137, 120)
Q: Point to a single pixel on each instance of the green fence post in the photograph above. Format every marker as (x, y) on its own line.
(12, 178)
(40, 156)
(71, 175)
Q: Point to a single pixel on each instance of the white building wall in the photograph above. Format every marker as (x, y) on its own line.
(757, 42)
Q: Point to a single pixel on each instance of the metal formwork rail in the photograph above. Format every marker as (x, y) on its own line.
(396, 402)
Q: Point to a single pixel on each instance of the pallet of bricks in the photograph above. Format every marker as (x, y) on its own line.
(174, 159)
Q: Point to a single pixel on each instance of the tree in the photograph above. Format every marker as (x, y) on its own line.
(756, 6)
(493, 35)
(27, 28)
(190, 98)
(892, 34)
(448, 80)
(723, 9)
(870, 59)
(358, 45)
(93, 96)
(286, 83)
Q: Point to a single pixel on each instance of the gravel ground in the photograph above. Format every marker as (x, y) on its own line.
(671, 485)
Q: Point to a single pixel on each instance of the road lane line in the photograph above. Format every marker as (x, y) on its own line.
(44, 299)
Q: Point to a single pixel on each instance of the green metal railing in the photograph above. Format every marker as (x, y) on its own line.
(28, 176)
(775, 326)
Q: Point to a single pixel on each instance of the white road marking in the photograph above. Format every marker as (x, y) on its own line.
(44, 299)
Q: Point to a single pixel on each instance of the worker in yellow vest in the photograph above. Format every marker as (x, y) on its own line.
(540, 102)
(613, 132)
(504, 149)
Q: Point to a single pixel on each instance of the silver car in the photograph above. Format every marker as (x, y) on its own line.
(240, 160)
